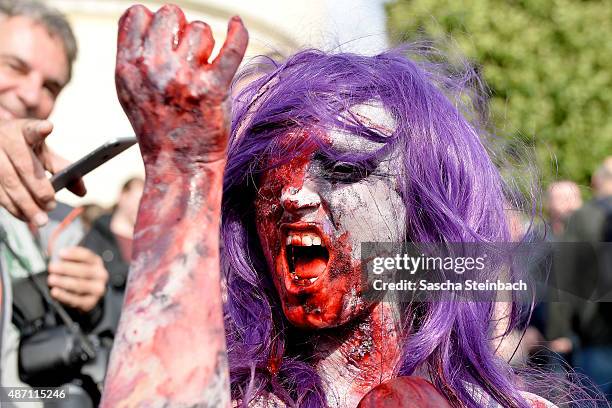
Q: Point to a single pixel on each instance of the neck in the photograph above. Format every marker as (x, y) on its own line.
(355, 358)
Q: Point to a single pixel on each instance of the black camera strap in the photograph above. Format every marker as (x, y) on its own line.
(43, 290)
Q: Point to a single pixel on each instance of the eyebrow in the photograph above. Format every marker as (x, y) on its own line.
(53, 84)
(10, 57)
(366, 161)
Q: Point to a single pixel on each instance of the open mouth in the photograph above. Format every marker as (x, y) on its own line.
(306, 256)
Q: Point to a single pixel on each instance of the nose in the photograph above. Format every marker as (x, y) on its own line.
(30, 92)
(300, 200)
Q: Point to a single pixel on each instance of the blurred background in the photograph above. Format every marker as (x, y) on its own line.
(87, 113)
(547, 64)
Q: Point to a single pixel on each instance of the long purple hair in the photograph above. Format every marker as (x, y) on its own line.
(452, 193)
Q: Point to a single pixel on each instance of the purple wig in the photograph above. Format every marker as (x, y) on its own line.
(452, 193)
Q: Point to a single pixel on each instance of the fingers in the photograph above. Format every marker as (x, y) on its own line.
(7, 203)
(76, 286)
(156, 36)
(84, 303)
(197, 43)
(133, 26)
(78, 279)
(17, 199)
(35, 131)
(28, 166)
(162, 38)
(233, 50)
(55, 163)
(80, 254)
(77, 187)
(25, 191)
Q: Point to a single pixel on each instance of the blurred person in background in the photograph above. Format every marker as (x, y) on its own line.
(40, 259)
(91, 212)
(562, 199)
(111, 238)
(584, 328)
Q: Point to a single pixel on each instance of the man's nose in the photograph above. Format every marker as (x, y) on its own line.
(30, 92)
(300, 200)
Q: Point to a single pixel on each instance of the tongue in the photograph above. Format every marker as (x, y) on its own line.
(307, 268)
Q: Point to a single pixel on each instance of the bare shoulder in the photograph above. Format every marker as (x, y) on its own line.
(536, 401)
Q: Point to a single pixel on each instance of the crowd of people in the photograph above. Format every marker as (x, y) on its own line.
(64, 272)
(578, 330)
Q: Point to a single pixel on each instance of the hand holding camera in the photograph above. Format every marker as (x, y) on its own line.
(78, 279)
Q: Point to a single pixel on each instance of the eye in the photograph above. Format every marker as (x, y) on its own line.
(52, 89)
(15, 65)
(344, 168)
(344, 172)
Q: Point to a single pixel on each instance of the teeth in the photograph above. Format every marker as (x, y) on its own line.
(296, 278)
(307, 239)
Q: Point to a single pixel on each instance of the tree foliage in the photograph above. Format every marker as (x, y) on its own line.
(548, 64)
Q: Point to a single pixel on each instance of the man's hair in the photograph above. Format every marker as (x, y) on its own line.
(53, 21)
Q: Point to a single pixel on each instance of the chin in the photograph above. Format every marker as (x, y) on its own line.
(316, 278)
(322, 311)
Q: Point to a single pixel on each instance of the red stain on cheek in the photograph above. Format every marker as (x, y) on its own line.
(268, 206)
(341, 287)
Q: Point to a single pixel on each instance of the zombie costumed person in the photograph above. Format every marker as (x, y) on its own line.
(318, 153)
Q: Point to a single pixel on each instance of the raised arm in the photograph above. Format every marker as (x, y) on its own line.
(170, 347)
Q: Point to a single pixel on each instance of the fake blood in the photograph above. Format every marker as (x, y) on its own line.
(170, 345)
(404, 392)
(310, 267)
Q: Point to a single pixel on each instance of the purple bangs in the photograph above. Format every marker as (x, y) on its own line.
(451, 189)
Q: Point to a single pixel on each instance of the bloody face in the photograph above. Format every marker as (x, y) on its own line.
(313, 213)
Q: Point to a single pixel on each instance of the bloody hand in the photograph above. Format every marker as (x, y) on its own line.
(176, 100)
(170, 345)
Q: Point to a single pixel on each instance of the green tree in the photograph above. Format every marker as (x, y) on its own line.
(548, 64)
